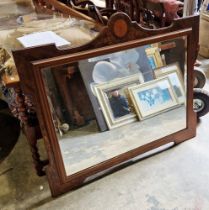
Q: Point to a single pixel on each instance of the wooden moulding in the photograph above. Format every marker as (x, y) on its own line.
(119, 34)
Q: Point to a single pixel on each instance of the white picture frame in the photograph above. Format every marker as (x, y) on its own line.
(103, 93)
(173, 72)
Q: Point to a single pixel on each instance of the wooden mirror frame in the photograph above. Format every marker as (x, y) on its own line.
(120, 34)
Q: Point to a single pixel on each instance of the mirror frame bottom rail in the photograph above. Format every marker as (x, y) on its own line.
(112, 165)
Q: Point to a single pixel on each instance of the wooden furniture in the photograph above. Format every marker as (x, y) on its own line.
(57, 7)
(86, 10)
(148, 14)
(120, 35)
(138, 10)
(19, 103)
(27, 116)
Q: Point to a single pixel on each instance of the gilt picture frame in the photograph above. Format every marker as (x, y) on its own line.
(154, 57)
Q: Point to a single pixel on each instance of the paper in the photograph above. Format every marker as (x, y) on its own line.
(42, 38)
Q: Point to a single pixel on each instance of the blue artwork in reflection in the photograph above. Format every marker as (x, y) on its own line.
(154, 96)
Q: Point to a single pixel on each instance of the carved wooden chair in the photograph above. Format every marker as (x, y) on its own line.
(86, 9)
(57, 7)
(139, 10)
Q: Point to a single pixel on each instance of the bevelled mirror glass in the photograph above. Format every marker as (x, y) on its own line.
(107, 105)
(126, 93)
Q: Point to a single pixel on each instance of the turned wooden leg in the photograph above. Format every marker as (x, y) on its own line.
(31, 136)
(22, 108)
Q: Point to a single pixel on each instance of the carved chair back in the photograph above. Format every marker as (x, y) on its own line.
(140, 11)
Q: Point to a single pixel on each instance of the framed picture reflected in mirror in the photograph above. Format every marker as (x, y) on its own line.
(174, 73)
(114, 100)
(153, 97)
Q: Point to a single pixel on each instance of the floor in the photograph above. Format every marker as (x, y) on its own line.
(85, 147)
(176, 179)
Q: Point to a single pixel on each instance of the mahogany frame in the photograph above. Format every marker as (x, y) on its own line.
(120, 34)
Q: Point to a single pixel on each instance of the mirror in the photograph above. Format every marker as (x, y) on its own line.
(107, 105)
(74, 92)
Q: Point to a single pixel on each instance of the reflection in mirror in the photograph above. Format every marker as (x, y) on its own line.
(107, 105)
